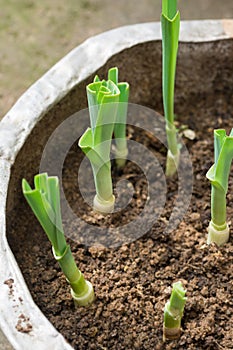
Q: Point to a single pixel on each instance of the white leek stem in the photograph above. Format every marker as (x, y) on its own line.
(121, 157)
(172, 163)
(170, 333)
(102, 206)
(217, 236)
(86, 298)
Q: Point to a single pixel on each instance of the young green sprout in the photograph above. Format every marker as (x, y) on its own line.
(121, 150)
(218, 174)
(173, 312)
(107, 115)
(170, 23)
(44, 201)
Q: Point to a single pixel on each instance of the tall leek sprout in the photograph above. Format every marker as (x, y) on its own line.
(173, 312)
(218, 174)
(44, 201)
(107, 102)
(170, 23)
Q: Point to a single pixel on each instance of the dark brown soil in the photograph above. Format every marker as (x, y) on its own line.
(133, 282)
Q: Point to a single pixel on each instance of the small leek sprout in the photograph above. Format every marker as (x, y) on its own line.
(107, 115)
(218, 174)
(170, 23)
(103, 97)
(173, 312)
(44, 201)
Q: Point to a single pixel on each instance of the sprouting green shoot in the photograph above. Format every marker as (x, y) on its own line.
(103, 97)
(173, 312)
(218, 174)
(170, 23)
(107, 115)
(44, 201)
(121, 150)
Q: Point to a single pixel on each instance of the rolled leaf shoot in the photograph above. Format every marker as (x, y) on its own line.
(170, 23)
(121, 150)
(103, 97)
(218, 175)
(173, 312)
(44, 201)
(107, 102)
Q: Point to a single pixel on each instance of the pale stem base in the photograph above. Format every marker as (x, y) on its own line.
(102, 206)
(87, 298)
(172, 163)
(121, 157)
(218, 237)
(170, 333)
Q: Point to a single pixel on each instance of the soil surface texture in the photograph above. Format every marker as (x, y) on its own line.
(133, 281)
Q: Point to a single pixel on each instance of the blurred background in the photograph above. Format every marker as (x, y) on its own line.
(36, 34)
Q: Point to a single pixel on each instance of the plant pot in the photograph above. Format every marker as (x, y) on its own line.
(204, 80)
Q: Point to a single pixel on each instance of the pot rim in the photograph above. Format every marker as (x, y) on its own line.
(69, 71)
(19, 122)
